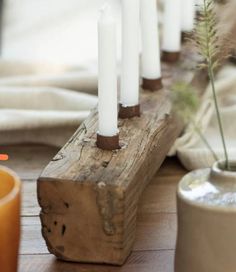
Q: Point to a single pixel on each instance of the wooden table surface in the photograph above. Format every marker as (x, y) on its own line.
(156, 229)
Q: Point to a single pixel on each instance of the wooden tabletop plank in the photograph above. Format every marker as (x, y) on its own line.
(28, 161)
(159, 196)
(30, 205)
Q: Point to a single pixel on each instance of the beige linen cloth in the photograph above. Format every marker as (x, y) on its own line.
(44, 94)
(48, 68)
(30, 112)
(189, 147)
(45, 103)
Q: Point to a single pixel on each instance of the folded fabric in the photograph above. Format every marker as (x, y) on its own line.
(189, 147)
(27, 112)
(48, 77)
(17, 73)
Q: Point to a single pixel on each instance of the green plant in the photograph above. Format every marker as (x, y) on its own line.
(185, 104)
(210, 46)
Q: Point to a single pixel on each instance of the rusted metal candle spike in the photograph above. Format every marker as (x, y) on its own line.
(170, 57)
(152, 84)
(129, 111)
(108, 142)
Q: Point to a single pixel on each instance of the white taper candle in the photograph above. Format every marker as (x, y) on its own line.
(107, 74)
(151, 67)
(187, 15)
(130, 53)
(172, 26)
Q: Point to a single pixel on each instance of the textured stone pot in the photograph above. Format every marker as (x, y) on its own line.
(206, 203)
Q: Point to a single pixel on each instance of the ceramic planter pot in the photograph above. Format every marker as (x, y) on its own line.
(206, 204)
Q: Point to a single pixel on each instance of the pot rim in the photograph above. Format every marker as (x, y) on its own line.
(219, 169)
(214, 175)
(219, 175)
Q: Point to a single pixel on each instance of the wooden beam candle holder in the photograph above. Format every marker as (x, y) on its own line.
(89, 197)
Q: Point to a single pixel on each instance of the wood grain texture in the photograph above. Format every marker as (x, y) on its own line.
(34, 254)
(34, 250)
(148, 261)
(154, 232)
(89, 197)
(102, 188)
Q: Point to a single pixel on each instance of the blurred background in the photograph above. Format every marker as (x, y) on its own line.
(58, 31)
(48, 66)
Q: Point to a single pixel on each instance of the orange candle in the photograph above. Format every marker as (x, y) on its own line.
(9, 220)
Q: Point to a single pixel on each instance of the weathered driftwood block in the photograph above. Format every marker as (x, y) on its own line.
(89, 197)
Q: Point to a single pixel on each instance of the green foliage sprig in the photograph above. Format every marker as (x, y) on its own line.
(185, 100)
(206, 38)
(185, 104)
(209, 45)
